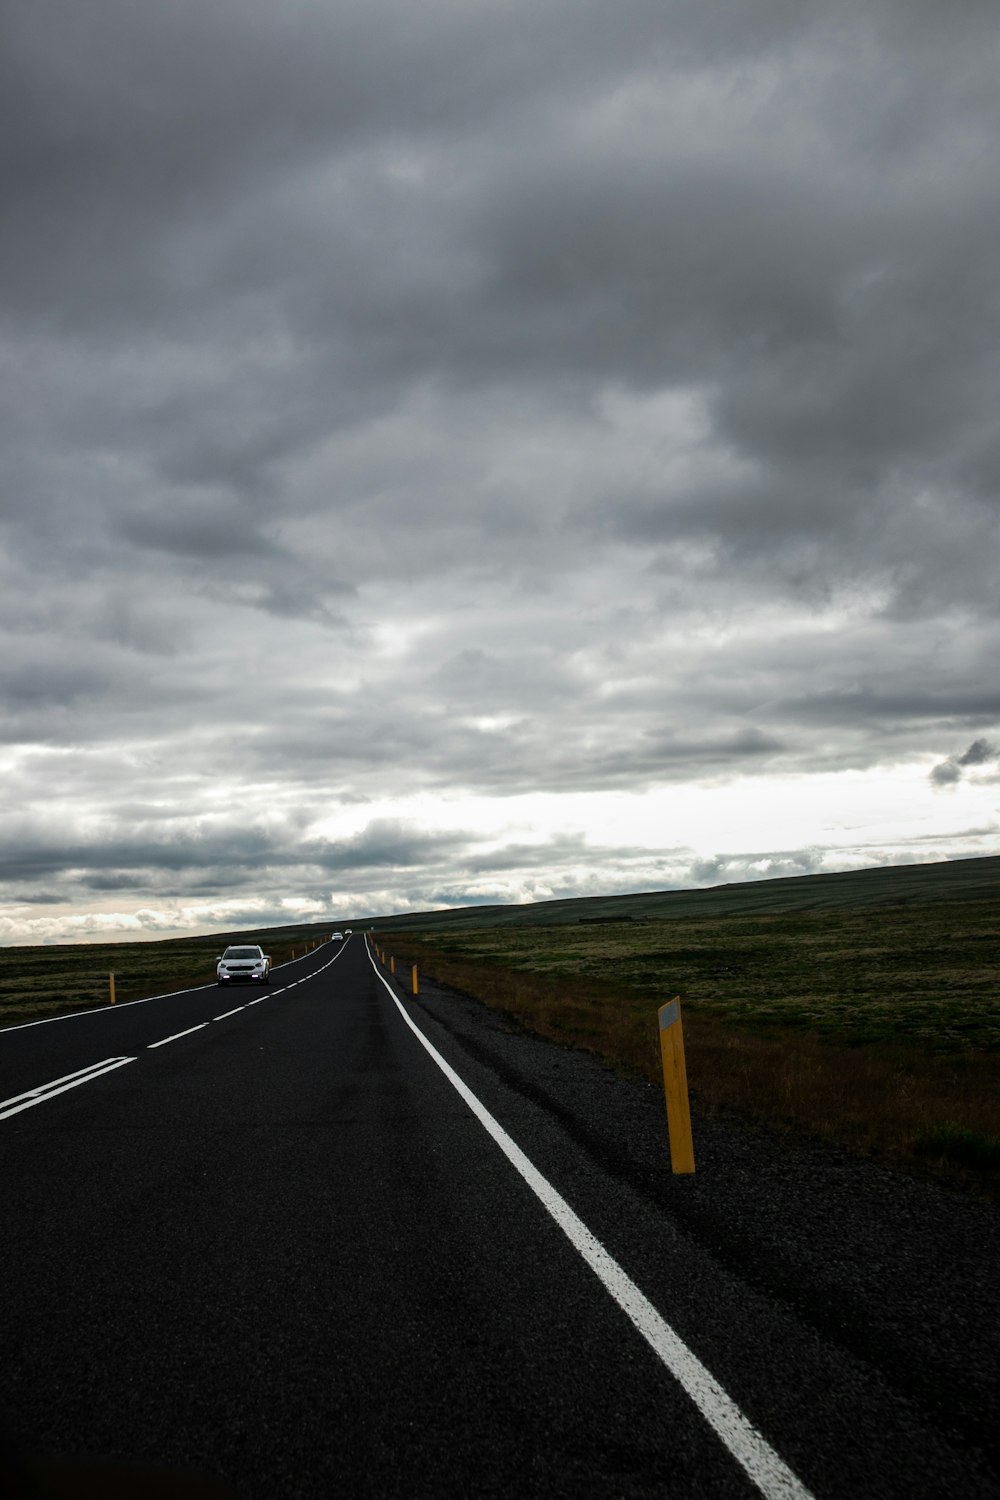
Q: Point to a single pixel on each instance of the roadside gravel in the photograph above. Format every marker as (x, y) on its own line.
(900, 1274)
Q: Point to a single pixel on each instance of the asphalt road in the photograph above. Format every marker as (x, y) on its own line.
(284, 1247)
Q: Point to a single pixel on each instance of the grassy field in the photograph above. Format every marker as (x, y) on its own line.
(909, 974)
(864, 1008)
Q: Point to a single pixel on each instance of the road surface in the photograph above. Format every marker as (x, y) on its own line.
(324, 1239)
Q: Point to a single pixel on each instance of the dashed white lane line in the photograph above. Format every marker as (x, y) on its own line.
(59, 1086)
(31, 1097)
(177, 1034)
(752, 1451)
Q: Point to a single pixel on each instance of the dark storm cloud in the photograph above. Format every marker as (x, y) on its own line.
(979, 753)
(190, 532)
(384, 843)
(499, 397)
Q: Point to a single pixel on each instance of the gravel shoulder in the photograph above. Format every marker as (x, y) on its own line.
(898, 1273)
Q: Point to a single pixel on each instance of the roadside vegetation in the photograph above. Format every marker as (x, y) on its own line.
(873, 1024)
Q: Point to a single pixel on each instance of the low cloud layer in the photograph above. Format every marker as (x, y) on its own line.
(412, 411)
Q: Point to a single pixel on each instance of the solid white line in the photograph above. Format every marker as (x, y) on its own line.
(59, 1086)
(175, 1036)
(751, 1450)
(227, 1013)
(103, 1010)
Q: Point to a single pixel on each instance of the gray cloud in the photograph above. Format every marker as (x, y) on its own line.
(475, 402)
(979, 753)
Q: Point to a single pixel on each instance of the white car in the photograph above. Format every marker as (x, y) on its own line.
(244, 962)
(336, 937)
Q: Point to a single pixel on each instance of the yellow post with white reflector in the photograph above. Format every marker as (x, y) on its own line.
(111, 979)
(676, 1087)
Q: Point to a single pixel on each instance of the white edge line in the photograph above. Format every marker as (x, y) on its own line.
(227, 1013)
(164, 1040)
(49, 1091)
(768, 1471)
(103, 1010)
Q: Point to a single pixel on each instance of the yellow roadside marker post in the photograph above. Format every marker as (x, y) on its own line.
(415, 990)
(392, 966)
(676, 1087)
(111, 977)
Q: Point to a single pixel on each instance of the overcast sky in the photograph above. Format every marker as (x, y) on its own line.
(491, 449)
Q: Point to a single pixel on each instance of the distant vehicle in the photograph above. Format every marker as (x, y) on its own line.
(336, 937)
(250, 963)
(348, 930)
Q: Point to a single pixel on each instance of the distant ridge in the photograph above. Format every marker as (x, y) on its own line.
(887, 885)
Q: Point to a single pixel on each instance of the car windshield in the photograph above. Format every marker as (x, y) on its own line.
(242, 953)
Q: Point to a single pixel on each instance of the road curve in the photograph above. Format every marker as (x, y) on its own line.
(271, 1235)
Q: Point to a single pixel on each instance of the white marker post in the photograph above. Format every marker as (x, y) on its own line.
(676, 1087)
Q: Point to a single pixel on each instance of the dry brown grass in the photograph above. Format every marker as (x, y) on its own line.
(900, 1102)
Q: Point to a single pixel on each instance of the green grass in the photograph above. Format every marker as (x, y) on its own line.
(959, 1144)
(925, 975)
